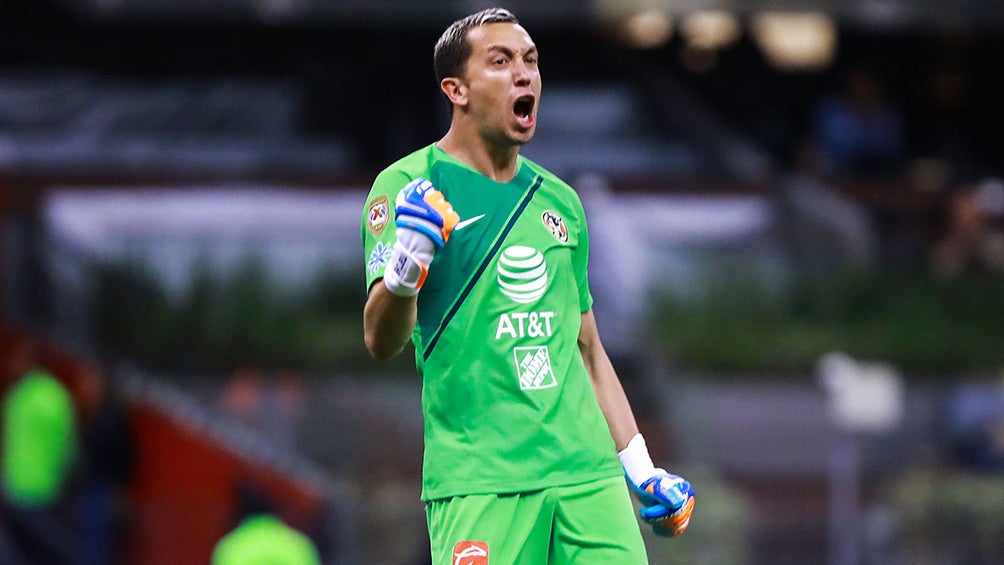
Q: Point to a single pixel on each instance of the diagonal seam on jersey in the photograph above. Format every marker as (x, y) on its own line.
(481, 268)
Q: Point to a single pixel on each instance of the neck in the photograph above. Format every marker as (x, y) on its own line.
(495, 161)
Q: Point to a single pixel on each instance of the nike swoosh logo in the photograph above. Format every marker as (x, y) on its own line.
(467, 222)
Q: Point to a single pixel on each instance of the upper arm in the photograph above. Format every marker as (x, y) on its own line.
(589, 340)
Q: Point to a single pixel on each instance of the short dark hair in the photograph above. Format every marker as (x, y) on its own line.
(453, 49)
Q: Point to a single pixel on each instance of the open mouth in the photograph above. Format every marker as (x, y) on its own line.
(523, 110)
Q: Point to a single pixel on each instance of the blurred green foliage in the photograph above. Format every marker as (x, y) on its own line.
(946, 515)
(223, 321)
(924, 325)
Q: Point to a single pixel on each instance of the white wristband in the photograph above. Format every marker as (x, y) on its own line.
(404, 274)
(637, 462)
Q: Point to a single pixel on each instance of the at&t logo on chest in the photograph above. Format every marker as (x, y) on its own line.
(522, 274)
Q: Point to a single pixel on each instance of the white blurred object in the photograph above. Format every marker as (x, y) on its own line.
(864, 396)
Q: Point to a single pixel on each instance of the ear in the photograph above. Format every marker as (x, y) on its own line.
(454, 89)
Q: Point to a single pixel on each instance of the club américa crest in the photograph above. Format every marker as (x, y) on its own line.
(556, 225)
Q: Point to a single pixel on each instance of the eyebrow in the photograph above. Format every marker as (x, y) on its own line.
(508, 51)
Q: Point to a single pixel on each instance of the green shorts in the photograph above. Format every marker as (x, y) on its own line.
(588, 524)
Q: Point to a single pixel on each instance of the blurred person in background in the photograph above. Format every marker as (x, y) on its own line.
(242, 395)
(857, 143)
(106, 466)
(973, 236)
(948, 134)
(262, 537)
(528, 431)
(269, 402)
(857, 131)
(39, 454)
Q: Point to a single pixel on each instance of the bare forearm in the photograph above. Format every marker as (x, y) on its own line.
(615, 406)
(388, 321)
(606, 385)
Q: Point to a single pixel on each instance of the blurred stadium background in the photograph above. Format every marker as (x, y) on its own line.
(798, 221)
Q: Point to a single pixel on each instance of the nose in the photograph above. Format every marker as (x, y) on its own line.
(521, 73)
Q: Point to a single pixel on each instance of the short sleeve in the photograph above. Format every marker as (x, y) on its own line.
(580, 261)
(377, 226)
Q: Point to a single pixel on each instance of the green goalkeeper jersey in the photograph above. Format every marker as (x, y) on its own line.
(507, 401)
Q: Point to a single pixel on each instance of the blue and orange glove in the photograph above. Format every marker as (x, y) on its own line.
(424, 223)
(667, 499)
(668, 503)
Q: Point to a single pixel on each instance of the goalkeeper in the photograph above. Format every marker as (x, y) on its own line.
(478, 256)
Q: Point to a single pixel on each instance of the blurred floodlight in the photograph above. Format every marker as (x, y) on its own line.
(796, 41)
(647, 29)
(710, 29)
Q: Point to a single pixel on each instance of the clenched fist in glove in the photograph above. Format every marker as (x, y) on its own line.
(668, 499)
(424, 223)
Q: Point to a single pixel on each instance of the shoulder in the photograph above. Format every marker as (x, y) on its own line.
(399, 173)
(390, 181)
(551, 180)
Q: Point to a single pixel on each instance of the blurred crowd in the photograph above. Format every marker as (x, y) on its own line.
(68, 464)
(66, 454)
(936, 199)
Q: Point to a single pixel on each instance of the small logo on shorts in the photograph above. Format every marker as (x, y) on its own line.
(470, 553)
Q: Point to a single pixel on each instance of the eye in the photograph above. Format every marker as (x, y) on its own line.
(499, 61)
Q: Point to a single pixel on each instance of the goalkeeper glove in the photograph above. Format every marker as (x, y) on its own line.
(424, 223)
(668, 500)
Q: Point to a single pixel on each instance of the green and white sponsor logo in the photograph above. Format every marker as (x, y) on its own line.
(522, 274)
(533, 366)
